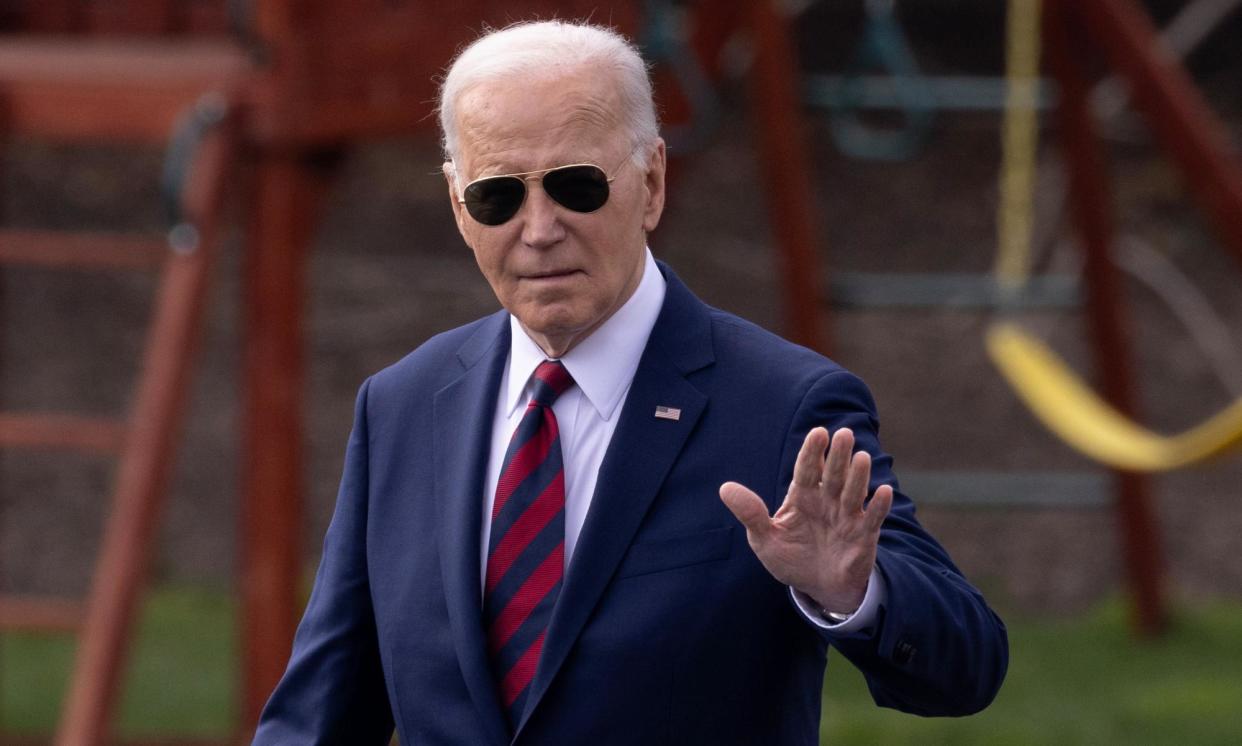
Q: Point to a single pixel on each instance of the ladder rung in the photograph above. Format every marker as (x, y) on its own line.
(1010, 489)
(903, 92)
(65, 250)
(40, 614)
(951, 290)
(92, 434)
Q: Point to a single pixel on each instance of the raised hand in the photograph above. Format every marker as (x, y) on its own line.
(821, 541)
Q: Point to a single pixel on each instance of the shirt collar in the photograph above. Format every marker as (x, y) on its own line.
(604, 363)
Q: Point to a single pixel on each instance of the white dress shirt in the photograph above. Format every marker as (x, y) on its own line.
(603, 367)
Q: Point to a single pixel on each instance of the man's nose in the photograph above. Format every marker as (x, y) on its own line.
(541, 225)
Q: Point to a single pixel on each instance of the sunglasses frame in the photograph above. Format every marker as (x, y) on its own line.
(538, 175)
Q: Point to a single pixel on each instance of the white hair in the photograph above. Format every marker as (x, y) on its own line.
(538, 47)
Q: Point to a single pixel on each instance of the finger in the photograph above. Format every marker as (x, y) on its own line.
(857, 477)
(877, 509)
(748, 508)
(834, 467)
(810, 462)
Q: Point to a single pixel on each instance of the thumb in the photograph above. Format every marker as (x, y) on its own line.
(747, 507)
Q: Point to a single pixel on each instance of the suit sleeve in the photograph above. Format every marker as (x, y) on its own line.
(333, 689)
(936, 647)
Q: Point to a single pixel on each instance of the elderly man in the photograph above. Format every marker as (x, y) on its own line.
(555, 523)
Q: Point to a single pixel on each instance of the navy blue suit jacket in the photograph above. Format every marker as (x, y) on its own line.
(667, 629)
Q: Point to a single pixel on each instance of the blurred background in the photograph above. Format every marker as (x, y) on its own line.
(322, 218)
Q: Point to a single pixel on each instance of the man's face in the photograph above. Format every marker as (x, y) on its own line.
(561, 273)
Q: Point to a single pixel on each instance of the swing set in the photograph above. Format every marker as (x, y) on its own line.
(884, 75)
(1104, 426)
(1061, 400)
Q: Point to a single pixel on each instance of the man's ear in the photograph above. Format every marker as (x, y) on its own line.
(459, 212)
(654, 183)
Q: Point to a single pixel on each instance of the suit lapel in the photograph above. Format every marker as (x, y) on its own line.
(462, 417)
(641, 453)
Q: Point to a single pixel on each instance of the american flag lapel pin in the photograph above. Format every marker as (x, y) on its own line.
(667, 413)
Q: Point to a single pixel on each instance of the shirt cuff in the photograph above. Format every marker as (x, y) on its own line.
(863, 617)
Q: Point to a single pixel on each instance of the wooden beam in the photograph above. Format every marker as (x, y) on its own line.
(1091, 204)
(1181, 119)
(290, 189)
(67, 89)
(776, 113)
(35, 614)
(60, 250)
(61, 431)
(146, 462)
(130, 17)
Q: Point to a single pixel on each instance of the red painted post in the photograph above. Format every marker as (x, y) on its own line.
(142, 475)
(290, 189)
(1090, 201)
(776, 112)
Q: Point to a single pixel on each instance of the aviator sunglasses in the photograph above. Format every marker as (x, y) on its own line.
(581, 187)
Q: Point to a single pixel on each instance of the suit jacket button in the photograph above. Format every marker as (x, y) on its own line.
(903, 652)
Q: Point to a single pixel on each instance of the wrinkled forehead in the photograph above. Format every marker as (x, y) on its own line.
(536, 122)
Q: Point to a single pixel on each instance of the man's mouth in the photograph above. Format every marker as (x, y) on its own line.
(551, 274)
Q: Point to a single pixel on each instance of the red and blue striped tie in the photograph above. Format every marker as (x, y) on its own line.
(526, 551)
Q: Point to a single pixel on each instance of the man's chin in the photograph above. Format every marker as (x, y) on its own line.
(555, 331)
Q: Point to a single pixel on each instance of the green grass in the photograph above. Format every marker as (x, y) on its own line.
(182, 677)
(1085, 681)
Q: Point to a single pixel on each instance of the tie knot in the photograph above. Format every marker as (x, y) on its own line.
(551, 380)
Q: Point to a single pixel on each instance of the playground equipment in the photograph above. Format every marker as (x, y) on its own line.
(1046, 384)
(885, 75)
(43, 88)
(303, 80)
(1186, 128)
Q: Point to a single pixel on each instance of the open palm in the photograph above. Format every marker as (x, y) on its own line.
(822, 540)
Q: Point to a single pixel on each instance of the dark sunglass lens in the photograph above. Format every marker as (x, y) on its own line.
(580, 188)
(493, 201)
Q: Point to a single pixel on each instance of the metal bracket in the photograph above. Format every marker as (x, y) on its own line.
(194, 127)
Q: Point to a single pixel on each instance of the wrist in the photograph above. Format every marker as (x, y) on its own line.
(836, 602)
(833, 607)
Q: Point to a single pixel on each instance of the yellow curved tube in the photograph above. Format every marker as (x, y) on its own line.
(1073, 412)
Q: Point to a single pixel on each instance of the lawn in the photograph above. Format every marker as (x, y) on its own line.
(182, 680)
(1083, 681)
